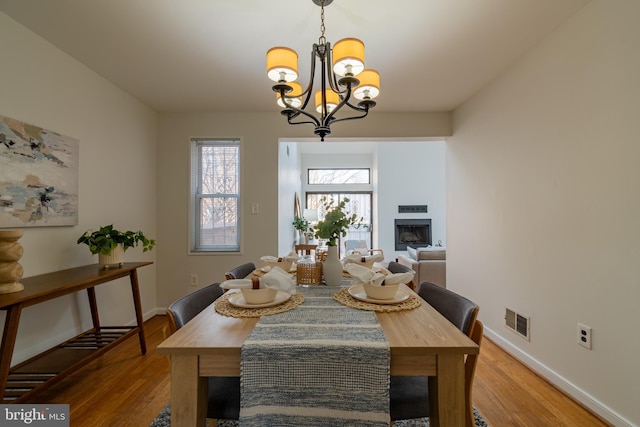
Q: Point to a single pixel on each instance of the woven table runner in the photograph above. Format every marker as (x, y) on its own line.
(320, 364)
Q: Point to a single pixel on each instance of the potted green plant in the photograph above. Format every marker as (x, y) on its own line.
(110, 244)
(302, 225)
(336, 222)
(335, 225)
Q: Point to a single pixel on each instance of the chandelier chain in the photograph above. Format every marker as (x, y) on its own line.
(322, 40)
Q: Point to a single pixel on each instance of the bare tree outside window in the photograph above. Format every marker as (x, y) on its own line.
(339, 176)
(215, 195)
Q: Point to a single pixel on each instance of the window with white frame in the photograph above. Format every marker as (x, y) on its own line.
(339, 176)
(215, 195)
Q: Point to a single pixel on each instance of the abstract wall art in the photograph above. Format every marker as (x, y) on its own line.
(38, 176)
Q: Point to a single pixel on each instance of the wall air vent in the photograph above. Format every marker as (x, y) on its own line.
(517, 323)
(412, 208)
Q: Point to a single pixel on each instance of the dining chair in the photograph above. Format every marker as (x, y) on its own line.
(240, 272)
(396, 267)
(224, 392)
(409, 396)
(457, 309)
(359, 245)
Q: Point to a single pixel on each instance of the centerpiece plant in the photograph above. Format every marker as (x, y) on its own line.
(336, 222)
(334, 225)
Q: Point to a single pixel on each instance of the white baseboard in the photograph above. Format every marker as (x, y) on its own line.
(562, 383)
(158, 311)
(148, 315)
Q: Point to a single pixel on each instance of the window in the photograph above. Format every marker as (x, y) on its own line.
(338, 176)
(359, 204)
(215, 195)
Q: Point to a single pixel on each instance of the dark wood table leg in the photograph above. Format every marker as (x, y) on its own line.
(135, 289)
(91, 292)
(8, 343)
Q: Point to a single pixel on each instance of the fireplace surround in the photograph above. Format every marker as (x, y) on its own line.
(412, 232)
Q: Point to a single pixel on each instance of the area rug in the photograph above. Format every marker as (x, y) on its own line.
(164, 420)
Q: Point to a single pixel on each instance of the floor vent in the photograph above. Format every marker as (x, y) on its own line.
(517, 323)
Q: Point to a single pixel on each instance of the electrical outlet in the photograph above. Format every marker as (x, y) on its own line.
(194, 280)
(584, 336)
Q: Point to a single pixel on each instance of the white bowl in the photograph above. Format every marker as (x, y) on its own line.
(380, 292)
(259, 296)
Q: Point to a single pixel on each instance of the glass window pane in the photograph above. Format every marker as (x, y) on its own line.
(215, 194)
(218, 225)
(219, 170)
(359, 204)
(339, 176)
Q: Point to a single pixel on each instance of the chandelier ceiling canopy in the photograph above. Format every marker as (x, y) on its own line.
(338, 84)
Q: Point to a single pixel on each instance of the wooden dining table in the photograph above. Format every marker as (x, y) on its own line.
(421, 342)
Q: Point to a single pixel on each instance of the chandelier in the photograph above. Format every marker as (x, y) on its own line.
(338, 82)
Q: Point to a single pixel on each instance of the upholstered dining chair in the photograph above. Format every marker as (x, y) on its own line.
(240, 272)
(409, 396)
(224, 392)
(396, 267)
(457, 309)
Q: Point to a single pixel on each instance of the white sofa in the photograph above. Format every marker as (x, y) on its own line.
(430, 264)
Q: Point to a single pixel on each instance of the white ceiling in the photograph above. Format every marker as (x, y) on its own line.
(209, 55)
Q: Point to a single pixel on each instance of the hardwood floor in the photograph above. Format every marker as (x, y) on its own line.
(507, 393)
(121, 388)
(124, 388)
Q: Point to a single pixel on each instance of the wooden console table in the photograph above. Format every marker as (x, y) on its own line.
(22, 381)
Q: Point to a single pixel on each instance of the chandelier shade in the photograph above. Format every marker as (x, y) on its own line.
(369, 86)
(331, 99)
(294, 97)
(343, 78)
(282, 64)
(348, 57)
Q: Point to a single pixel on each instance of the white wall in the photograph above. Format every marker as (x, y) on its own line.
(543, 206)
(410, 173)
(260, 135)
(403, 173)
(289, 184)
(45, 87)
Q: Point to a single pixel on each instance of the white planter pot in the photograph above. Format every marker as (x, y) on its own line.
(332, 267)
(114, 259)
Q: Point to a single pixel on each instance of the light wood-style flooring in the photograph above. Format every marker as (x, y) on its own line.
(124, 388)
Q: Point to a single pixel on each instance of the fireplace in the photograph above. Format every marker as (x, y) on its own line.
(412, 232)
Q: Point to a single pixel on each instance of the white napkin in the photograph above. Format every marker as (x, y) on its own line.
(395, 278)
(356, 257)
(279, 279)
(237, 284)
(292, 256)
(362, 274)
(276, 278)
